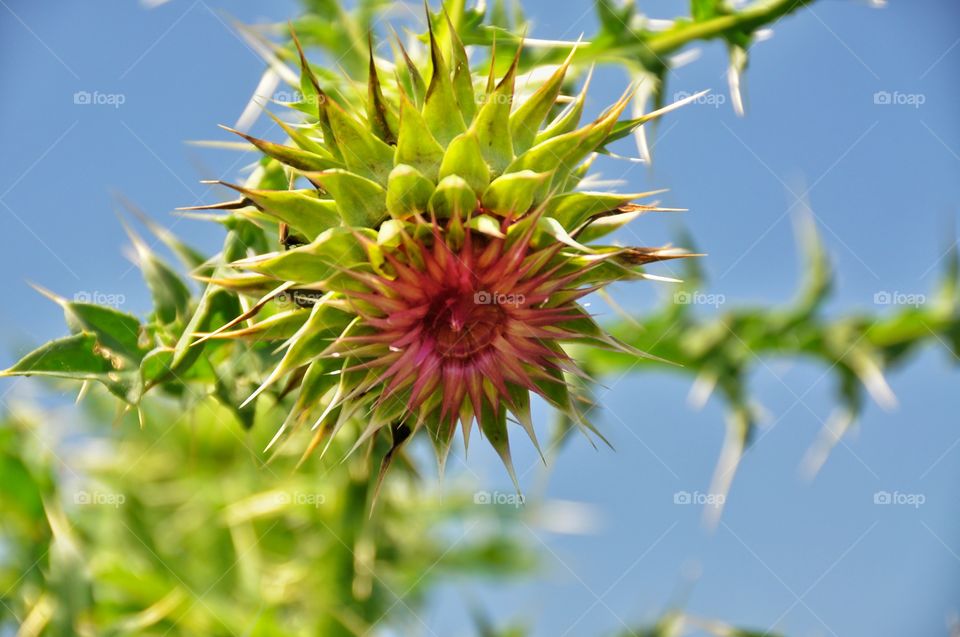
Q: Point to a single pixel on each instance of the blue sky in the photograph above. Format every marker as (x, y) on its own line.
(814, 559)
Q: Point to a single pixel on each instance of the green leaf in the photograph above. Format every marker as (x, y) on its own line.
(302, 210)
(78, 357)
(569, 118)
(416, 145)
(362, 203)
(604, 225)
(563, 153)
(380, 114)
(276, 327)
(440, 108)
(624, 128)
(321, 377)
(156, 365)
(115, 330)
(390, 233)
(324, 324)
(335, 250)
(494, 428)
(487, 225)
(492, 123)
(705, 9)
(454, 198)
(171, 296)
(614, 17)
(525, 122)
(464, 159)
(514, 193)
(311, 90)
(462, 77)
(549, 155)
(363, 152)
(299, 137)
(216, 307)
(407, 74)
(408, 192)
(575, 208)
(294, 157)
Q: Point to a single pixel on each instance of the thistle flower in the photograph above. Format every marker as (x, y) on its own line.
(437, 252)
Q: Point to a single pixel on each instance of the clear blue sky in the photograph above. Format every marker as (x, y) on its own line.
(816, 559)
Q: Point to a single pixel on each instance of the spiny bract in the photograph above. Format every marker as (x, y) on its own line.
(440, 248)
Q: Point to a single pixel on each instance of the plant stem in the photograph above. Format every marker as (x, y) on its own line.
(748, 19)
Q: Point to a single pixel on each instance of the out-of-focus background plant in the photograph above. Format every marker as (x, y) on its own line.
(167, 522)
(182, 528)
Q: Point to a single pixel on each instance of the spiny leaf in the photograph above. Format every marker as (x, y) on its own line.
(362, 203)
(416, 145)
(574, 208)
(493, 424)
(302, 210)
(300, 138)
(363, 152)
(115, 330)
(311, 87)
(624, 128)
(492, 123)
(408, 192)
(334, 250)
(513, 193)
(324, 323)
(276, 327)
(562, 154)
(408, 76)
(462, 77)
(569, 118)
(440, 108)
(465, 159)
(380, 114)
(453, 198)
(78, 357)
(171, 296)
(294, 157)
(526, 120)
(485, 224)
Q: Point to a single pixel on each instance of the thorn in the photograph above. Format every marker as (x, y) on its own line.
(59, 300)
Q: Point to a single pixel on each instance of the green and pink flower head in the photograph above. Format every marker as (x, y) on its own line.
(437, 249)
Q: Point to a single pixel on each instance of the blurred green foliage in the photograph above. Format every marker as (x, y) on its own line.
(182, 528)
